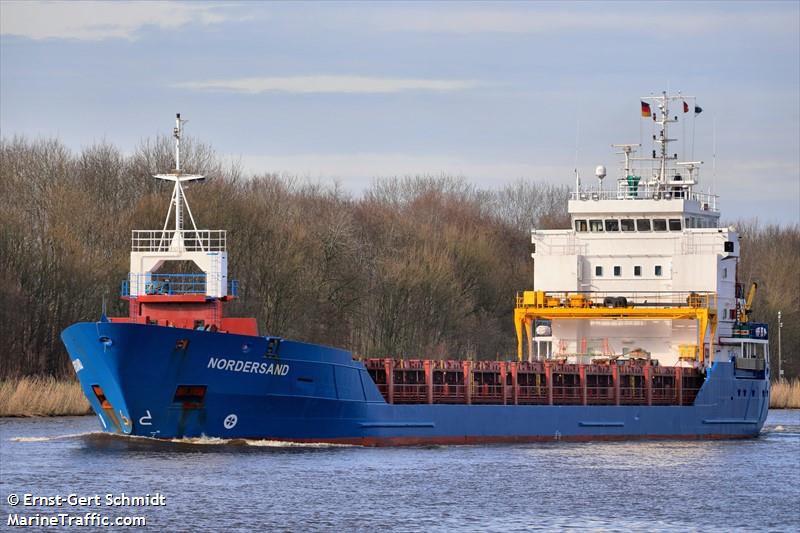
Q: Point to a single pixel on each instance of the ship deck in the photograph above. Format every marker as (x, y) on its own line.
(552, 382)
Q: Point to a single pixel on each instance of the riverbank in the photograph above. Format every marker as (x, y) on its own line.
(52, 397)
(785, 394)
(42, 397)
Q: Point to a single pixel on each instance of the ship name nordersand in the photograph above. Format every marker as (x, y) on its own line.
(248, 367)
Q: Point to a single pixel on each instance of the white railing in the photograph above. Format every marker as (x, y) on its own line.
(708, 202)
(202, 240)
(569, 246)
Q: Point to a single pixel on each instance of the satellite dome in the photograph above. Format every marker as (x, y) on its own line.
(600, 172)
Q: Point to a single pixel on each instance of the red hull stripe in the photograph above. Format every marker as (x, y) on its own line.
(420, 441)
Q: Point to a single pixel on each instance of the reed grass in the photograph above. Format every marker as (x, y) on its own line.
(37, 396)
(785, 394)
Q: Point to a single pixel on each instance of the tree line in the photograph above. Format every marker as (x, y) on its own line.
(413, 267)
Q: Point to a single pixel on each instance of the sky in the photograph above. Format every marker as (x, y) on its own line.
(353, 91)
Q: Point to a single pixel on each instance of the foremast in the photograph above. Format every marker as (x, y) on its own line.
(178, 200)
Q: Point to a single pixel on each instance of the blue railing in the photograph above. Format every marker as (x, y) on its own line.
(174, 284)
(233, 287)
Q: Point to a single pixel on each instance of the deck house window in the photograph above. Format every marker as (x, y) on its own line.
(598, 271)
(674, 224)
(612, 225)
(643, 224)
(637, 270)
(595, 225)
(657, 270)
(659, 224)
(580, 225)
(627, 224)
(617, 270)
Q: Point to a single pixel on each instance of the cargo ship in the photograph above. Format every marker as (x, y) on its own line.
(637, 327)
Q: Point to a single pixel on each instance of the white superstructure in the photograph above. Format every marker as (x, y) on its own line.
(654, 240)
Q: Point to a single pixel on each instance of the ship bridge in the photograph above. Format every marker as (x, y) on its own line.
(653, 240)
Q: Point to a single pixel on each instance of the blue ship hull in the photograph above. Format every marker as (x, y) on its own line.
(311, 393)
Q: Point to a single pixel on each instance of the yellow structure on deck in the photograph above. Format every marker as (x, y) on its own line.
(748, 304)
(533, 305)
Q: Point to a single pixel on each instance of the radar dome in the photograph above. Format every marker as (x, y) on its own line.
(600, 172)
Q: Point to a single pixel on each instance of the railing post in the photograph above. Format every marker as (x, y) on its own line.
(615, 379)
(679, 384)
(548, 377)
(648, 383)
(428, 379)
(503, 386)
(467, 382)
(584, 388)
(388, 365)
(514, 382)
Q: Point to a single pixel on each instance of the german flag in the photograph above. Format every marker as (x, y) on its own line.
(646, 110)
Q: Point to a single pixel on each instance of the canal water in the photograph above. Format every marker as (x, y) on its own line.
(213, 485)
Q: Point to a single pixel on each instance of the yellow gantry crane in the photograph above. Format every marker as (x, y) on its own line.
(533, 305)
(748, 303)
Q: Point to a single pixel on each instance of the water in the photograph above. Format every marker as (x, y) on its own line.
(214, 485)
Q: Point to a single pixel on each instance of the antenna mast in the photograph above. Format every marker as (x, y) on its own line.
(577, 139)
(177, 134)
(178, 200)
(662, 139)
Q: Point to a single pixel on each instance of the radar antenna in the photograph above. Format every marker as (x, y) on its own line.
(691, 167)
(627, 150)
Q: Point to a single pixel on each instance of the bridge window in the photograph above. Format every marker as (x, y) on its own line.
(643, 224)
(612, 225)
(659, 224)
(657, 270)
(674, 224)
(595, 225)
(627, 224)
(617, 270)
(637, 270)
(598, 271)
(580, 225)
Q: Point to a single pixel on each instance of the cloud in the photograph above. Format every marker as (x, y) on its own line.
(533, 21)
(95, 21)
(328, 84)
